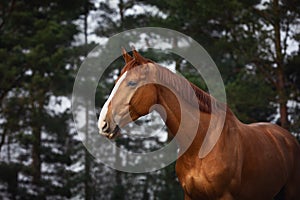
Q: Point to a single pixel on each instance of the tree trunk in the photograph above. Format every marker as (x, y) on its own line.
(88, 194)
(36, 126)
(121, 12)
(281, 82)
(36, 159)
(87, 159)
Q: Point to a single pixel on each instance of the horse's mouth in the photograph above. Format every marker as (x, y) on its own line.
(112, 135)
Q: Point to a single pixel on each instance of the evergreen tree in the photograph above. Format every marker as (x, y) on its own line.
(36, 66)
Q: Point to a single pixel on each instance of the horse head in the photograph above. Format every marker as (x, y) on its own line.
(132, 96)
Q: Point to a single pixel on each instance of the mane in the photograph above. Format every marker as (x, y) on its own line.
(182, 86)
(186, 89)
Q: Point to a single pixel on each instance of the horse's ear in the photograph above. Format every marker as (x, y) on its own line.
(126, 55)
(140, 59)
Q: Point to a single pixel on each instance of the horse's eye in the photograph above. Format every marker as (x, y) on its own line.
(132, 83)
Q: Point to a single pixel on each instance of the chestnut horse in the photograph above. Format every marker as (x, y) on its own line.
(258, 161)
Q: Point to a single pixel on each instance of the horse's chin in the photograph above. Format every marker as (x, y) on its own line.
(112, 135)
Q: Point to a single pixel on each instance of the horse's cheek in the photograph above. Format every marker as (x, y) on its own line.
(145, 100)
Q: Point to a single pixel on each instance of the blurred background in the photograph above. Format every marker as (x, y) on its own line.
(255, 44)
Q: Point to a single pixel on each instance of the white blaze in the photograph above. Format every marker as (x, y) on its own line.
(105, 107)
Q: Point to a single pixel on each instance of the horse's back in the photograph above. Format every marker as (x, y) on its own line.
(284, 144)
(281, 150)
(291, 189)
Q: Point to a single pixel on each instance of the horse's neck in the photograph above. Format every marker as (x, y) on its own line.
(172, 109)
(183, 118)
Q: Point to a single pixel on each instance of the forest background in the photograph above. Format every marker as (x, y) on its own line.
(255, 44)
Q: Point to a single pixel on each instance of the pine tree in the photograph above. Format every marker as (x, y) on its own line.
(36, 67)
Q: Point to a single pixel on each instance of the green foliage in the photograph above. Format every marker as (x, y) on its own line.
(249, 97)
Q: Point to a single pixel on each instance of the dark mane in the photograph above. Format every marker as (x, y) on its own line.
(182, 86)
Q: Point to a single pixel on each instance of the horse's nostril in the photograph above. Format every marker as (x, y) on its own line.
(105, 127)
